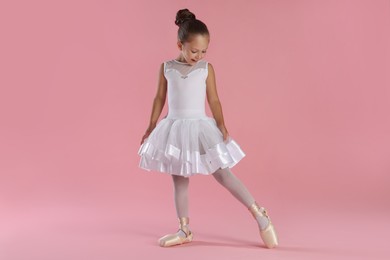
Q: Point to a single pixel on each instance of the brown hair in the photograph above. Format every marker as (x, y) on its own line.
(189, 25)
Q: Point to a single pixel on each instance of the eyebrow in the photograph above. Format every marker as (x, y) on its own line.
(198, 50)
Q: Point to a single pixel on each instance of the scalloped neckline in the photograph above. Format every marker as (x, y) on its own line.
(185, 62)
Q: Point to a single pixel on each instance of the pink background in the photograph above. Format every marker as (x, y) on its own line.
(304, 87)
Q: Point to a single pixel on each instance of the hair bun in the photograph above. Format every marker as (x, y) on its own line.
(184, 15)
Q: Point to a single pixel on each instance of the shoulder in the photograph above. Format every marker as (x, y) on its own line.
(163, 68)
(210, 68)
(210, 72)
(166, 64)
(208, 65)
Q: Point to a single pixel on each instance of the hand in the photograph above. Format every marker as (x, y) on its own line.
(147, 132)
(224, 132)
(144, 137)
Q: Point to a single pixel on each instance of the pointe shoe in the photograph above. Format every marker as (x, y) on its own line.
(175, 239)
(268, 234)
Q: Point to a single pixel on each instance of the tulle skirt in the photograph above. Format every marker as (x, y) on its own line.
(188, 146)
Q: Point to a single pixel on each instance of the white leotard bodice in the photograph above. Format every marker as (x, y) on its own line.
(186, 89)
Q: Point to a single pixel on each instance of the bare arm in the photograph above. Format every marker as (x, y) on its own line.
(213, 100)
(158, 101)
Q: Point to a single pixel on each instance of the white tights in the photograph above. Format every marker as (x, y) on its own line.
(226, 178)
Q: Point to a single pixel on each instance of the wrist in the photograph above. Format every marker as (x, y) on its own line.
(151, 126)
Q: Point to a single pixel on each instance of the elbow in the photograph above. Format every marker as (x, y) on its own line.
(214, 102)
(159, 98)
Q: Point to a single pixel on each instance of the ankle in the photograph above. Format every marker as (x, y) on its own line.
(260, 214)
(184, 223)
(262, 222)
(185, 229)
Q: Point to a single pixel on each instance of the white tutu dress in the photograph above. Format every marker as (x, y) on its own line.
(186, 141)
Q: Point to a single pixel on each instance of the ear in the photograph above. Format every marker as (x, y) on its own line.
(179, 45)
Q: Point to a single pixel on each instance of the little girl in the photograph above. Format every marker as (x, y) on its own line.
(188, 142)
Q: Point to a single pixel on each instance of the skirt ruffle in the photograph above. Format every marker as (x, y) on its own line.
(188, 146)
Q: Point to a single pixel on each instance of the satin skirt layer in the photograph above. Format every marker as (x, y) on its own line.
(188, 146)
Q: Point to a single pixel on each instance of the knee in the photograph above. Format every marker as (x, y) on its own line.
(180, 181)
(222, 175)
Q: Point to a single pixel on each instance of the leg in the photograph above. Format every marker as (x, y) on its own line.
(230, 181)
(227, 179)
(184, 234)
(180, 184)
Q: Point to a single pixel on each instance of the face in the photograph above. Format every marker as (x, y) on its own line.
(193, 51)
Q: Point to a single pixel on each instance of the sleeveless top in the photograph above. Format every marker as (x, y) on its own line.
(186, 88)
